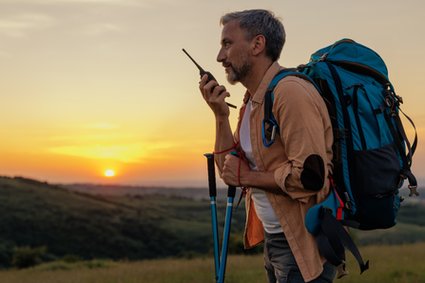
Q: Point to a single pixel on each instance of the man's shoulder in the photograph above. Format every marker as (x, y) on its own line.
(293, 91)
(295, 85)
(294, 79)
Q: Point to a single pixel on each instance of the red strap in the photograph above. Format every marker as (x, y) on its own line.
(340, 209)
(235, 145)
(243, 193)
(339, 212)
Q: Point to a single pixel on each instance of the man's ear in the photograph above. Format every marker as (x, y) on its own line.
(258, 44)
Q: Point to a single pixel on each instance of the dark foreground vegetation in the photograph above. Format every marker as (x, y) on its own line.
(42, 223)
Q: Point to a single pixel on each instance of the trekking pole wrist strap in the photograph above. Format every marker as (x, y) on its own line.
(227, 149)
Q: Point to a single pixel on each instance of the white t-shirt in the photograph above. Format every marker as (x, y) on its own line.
(262, 204)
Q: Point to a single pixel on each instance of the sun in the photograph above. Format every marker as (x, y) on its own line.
(109, 173)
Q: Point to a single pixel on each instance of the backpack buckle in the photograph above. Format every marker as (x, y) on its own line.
(413, 190)
(323, 57)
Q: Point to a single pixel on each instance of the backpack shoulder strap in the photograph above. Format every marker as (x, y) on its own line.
(270, 126)
(287, 72)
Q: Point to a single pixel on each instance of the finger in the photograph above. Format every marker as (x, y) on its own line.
(224, 94)
(229, 178)
(218, 90)
(231, 163)
(218, 95)
(228, 162)
(208, 88)
(204, 79)
(226, 172)
(210, 85)
(227, 157)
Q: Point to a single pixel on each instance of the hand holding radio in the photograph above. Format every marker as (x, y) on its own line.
(209, 84)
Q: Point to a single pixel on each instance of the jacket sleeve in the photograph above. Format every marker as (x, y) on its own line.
(299, 110)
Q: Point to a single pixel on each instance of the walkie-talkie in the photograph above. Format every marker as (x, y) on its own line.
(203, 72)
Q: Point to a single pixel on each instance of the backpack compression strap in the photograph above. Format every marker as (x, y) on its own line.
(392, 101)
(407, 173)
(332, 238)
(325, 222)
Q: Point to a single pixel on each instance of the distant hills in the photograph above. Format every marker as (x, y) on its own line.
(122, 190)
(123, 222)
(70, 222)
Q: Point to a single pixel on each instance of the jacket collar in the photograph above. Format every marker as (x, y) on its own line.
(258, 96)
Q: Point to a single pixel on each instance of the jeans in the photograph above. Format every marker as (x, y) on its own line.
(280, 263)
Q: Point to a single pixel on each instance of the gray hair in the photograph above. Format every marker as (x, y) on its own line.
(263, 22)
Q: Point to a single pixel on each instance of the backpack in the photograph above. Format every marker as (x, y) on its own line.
(372, 155)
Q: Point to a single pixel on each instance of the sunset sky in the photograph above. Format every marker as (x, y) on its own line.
(91, 85)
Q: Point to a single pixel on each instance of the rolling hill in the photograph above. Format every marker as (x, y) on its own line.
(90, 226)
(116, 222)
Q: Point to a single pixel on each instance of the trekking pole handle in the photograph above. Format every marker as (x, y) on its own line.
(211, 174)
(231, 191)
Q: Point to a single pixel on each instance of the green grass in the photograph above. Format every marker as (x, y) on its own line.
(402, 233)
(36, 214)
(388, 264)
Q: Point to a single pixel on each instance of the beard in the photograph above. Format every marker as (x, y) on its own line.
(238, 73)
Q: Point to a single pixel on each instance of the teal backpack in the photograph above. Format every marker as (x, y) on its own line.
(372, 155)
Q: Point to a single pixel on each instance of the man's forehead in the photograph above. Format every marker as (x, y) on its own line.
(231, 29)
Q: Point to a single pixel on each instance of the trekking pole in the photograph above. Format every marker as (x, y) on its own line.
(213, 205)
(230, 197)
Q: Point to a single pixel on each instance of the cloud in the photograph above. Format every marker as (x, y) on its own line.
(20, 25)
(122, 152)
(108, 141)
(52, 2)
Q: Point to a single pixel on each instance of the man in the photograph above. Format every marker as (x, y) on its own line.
(291, 175)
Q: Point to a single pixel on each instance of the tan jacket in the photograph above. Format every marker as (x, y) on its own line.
(305, 130)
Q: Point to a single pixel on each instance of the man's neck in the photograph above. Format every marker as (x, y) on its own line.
(253, 80)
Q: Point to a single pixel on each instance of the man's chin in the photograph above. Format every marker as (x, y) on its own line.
(232, 79)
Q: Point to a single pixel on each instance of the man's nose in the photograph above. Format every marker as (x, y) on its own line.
(221, 56)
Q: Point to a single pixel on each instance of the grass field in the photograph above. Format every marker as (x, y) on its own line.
(388, 264)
